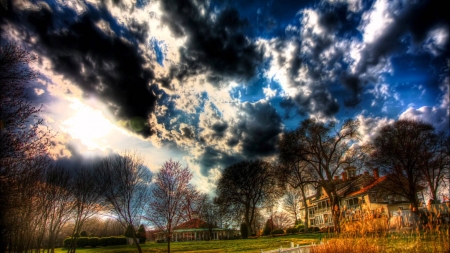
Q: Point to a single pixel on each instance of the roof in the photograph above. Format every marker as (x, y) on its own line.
(368, 187)
(194, 224)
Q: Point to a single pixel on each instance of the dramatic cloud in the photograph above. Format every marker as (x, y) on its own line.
(215, 42)
(216, 82)
(94, 52)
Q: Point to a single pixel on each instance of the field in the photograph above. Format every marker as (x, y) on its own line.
(244, 246)
(400, 241)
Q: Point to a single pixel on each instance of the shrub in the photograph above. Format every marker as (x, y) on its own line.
(66, 242)
(83, 234)
(93, 241)
(141, 234)
(313, 229)
(244, 231)
(292, 230)
(129, 232)
(278, 231)
(83, 242)
(301, 230)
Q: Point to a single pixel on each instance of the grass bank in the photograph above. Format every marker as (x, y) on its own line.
(243, 246)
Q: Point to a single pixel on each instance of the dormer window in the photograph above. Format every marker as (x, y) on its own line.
(351, 171)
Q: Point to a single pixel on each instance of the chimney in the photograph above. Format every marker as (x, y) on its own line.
(376, 175)
(336, 177)
(344, 176)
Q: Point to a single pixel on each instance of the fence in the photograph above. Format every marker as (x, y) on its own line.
(292, 249)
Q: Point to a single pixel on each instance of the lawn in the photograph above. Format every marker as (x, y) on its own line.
(408, 242)
(244, 246)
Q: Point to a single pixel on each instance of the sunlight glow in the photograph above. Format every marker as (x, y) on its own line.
(88, 125)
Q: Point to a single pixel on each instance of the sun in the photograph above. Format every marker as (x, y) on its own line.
(88, 125)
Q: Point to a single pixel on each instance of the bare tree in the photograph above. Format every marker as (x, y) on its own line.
(23, 144)
(281, 220)
(322, 150)
(291, 202)
(208, 212)
(124, 185)
(86, 197)
(435, 162)
(404, 151)
(247, 185)
(55, 199)
(172, 187)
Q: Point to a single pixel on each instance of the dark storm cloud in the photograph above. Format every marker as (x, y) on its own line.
(258, 128)
(416, 19)
(216, 46)
(254, 131)
(107, 65)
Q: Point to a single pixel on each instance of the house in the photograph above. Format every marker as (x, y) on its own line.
(361, 196)
(197, 229)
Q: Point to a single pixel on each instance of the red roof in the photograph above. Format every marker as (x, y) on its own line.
(194, 223)
(370, 186)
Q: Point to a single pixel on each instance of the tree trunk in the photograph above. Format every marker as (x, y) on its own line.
(137, 244)
(302, 190)
(168, 243)
(336, 210)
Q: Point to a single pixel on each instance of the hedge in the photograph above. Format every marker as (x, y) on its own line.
(292, 230)
(277, 231)
(95, 241)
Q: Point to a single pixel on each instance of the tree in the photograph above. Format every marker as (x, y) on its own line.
(208, 212)
(142, 235)
(291, 203)
(86, 197)
(123, 182)
(281, 220)
(23, 145)
(435, 162)
(321, 150)
(55, 199)
(247, 185)
(404, 150)
(172, 187)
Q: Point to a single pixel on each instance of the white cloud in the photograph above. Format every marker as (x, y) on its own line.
(437, 40)
(374, 22)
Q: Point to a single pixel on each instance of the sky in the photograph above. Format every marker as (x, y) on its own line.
(212, 83)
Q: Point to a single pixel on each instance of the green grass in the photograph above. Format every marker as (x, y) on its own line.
(241, 245)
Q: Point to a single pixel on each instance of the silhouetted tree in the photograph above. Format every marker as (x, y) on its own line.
(435, 162)
(247, 185)
(319, 151)
(23, 145)
(291, 202)
(86, 194)
(172, 187)
(405, 150)
(123, 182)
(142, 235)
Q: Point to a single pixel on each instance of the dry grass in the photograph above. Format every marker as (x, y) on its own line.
(436, 240)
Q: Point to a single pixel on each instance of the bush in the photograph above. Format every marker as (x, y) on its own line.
(141, 234)
(302, 230)
(93, 241)
(313, 229)
(292, 230)
(83, 234)
(129, 232)
(278, 231)
(83, 242)
(244, 231)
